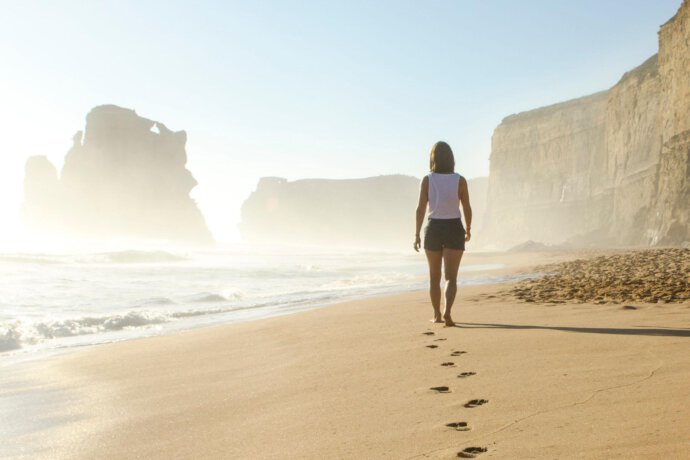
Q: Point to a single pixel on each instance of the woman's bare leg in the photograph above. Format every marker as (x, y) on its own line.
(435, 258)
(451, 265)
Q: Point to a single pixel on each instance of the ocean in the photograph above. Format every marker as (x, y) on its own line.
(51, 303)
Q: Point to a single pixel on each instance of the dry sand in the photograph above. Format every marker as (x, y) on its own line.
(354, 381)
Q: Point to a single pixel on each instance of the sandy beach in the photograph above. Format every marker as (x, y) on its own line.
(356, 380)
(224, 225)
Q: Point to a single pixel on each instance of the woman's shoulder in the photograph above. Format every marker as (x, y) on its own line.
(450, 174)
(454, 175)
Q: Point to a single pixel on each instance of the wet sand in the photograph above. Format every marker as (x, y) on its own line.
(374, 379)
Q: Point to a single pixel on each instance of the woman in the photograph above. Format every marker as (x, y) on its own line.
(443, 190)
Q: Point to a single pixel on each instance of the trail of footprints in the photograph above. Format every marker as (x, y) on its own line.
(468, 452)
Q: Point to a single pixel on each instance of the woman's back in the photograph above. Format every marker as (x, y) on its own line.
(444, 200)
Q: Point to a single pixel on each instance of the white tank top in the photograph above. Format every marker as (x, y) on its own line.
(444, 202)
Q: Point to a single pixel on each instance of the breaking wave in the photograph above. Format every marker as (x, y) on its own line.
(10, 337)
(16, 334)
(210, 297)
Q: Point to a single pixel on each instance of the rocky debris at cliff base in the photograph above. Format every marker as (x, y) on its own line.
(651, 276)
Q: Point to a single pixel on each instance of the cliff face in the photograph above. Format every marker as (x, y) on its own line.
(375, 212)
(632, 153)
(611, 168)
(670, 220)
(545, 167)
(125, 176)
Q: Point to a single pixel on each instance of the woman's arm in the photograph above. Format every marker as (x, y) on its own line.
(464, 195)
(421, 211)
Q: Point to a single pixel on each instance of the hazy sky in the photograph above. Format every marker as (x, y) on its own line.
(303, 88)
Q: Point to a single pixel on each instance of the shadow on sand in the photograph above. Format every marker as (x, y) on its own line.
(656, 331)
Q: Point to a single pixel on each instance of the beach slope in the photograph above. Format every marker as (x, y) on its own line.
(355, 380)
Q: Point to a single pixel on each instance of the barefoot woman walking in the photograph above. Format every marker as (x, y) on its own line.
(443, 190)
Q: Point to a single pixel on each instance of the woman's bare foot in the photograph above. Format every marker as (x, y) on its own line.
(437, 317)
(448, 320)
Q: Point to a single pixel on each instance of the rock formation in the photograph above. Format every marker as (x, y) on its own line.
(375, 212)
(124, 177)
(610, 168)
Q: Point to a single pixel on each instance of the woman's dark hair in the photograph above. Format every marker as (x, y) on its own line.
(441, 159)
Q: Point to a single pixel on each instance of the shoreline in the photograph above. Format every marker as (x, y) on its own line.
(34, 398)
(482, 267)
(354, 381)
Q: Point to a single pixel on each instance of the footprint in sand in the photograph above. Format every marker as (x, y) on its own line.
(476, 402)
(441, 389)
(471, 452)
(432, 346)
(458, 353)
(447, 364)
(459, 426)
(429, 333)
(466, 374)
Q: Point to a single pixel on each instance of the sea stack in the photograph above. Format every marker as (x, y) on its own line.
(124, 177)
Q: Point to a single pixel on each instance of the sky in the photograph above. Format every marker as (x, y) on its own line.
(303, 89)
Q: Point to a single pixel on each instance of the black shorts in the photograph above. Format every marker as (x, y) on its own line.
(444, 233)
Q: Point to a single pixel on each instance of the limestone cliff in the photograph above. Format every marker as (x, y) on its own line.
(545, 165)
(125, 176)
(375, 212)
(670, 219)
(610, 168)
